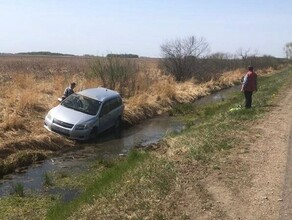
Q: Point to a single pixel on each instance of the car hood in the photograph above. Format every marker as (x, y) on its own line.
(69, 115)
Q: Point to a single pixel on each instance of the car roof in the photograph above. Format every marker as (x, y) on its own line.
(100, 93)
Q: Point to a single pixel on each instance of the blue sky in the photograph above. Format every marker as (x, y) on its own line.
(142, 26)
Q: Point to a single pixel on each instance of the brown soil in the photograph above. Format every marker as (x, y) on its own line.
(247, 183)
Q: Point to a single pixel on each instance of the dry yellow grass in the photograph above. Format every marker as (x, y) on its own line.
(165, 91)
(229, 78)
(12, 122)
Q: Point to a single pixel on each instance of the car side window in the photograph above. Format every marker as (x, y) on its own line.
(105, 109)
(110, 105)
(116, 102)
(113, 104)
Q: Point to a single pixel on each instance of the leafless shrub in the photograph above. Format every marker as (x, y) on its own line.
(116, 73)
(180, 56)
(288, 50)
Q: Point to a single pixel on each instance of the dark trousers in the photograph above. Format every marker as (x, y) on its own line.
(248, 99)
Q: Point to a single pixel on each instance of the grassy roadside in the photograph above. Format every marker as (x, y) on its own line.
(222, 123)
(150, 184)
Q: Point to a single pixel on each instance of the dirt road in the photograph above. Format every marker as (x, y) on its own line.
(269, 172)
(254, 181)
(286, 209)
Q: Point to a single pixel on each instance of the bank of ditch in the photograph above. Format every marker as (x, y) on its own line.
(24, 143)
(154, 184)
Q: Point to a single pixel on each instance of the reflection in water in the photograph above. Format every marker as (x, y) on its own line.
(148, 132)
(218, 96)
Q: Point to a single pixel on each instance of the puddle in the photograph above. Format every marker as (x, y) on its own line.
(147, 132)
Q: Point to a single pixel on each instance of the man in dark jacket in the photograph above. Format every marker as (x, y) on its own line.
(249, 85)
(69, 90)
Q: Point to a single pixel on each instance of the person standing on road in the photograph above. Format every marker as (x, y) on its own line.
(249, 85)
(69, 90)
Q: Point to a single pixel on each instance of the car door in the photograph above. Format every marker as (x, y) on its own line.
(105, 117)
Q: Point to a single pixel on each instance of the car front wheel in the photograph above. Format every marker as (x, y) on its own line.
(93, 133)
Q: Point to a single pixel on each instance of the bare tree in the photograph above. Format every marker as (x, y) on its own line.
(243, 53)
(247, 56)
(288, 50)
(116, 73)
(180, 55)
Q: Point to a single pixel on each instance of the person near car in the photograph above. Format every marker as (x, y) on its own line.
(249, 85)
(69, 90)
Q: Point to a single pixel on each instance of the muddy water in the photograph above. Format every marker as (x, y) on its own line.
(74, 162)
(218, 96)
(143, 134)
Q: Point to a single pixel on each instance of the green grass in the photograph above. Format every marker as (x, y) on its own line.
(219, 126)
(28, 207)
(182, 109)
(18, 190)
(141, 190)
(47, 180)
(222, 123)
(105, 179)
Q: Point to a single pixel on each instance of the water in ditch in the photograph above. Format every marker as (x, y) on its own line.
(77, 161)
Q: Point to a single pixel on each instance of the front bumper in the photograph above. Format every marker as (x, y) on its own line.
(68, 132)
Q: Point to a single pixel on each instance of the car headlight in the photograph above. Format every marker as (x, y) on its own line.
(49, 116)
(83, 126)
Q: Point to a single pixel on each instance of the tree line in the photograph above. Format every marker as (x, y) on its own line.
(184, 59)
(190, 58)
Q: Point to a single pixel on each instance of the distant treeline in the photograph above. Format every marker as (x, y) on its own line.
(6, 54)
(47, 53)
(38, 53)
(122, 55)
(44, 53)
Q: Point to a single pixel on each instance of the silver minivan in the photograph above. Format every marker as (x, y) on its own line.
(85, 114)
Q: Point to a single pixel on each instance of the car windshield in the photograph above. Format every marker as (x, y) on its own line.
(82, 104)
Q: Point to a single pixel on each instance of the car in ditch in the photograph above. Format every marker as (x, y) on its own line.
(86, 114)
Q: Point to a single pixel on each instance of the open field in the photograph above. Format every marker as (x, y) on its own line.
(31, 85)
